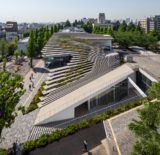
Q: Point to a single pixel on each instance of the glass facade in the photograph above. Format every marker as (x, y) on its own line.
(142, 81)
(56, 61)
(113, 94)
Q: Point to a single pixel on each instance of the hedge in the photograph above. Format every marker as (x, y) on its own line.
(3, 151)
(45, 139)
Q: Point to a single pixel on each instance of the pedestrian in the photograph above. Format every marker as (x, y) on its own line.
(29, 87)
(14, 148)
(32, 75)
(85, 146)
(30, 78)
(32, 84)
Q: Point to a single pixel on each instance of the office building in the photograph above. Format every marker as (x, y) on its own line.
(150, 23)
(10, 36)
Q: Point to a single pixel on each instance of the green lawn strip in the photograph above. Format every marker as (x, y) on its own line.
(45, 139)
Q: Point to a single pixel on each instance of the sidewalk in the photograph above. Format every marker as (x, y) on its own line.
(73, 144)
(23, 124)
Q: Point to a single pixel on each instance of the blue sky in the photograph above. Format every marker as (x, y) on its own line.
(61, 10)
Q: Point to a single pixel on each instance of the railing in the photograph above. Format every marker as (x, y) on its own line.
(79, 98)
(60, 125)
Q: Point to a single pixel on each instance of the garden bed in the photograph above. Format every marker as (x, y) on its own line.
(33, 105)
(45, 139)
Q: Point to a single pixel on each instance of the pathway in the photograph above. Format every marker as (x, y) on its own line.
(73, 144)
(23, 124)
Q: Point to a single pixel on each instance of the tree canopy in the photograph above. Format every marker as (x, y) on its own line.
(11, 90)
(31, 47)
(3, 47)
(116, 25)
(67, 23)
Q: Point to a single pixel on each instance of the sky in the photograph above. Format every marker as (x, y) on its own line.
(60, 10)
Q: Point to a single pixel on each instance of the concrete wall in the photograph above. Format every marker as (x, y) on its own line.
(23, 46)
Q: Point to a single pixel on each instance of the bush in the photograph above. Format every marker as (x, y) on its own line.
(22, 108)
(110, 112)
(84, 124)
(3, 151)
(56, 135)
(31, 108)
(43, 140)
(28, 145)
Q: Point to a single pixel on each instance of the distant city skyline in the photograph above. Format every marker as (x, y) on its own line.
(59, 11)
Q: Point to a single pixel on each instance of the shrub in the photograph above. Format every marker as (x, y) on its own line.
(43, 140)
(3, 151)
(28, 145)
(84, 124)
(96, 119)
(22, 108)
(70, 129)
(56, 135)
(120, 109)
(110, 112)
(31, 107)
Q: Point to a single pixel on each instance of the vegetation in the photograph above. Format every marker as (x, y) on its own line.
(25, 34)
(10, 93)
(16, 54)
(122, 61)
(4, 64)
(3, 48)
(21, 52)
(11, 47)
(33, 104)
(3, 151)
(67, 23)
(71, 129)
(31, 47)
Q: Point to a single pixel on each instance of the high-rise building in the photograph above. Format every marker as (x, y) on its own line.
(135, 21)
(127, 20)
(150, 23)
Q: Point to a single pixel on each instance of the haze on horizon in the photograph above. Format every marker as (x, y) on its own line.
(61, 10)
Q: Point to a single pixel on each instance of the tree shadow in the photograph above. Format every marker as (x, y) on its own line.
(40, 70)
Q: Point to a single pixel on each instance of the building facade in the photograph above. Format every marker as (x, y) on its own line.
(101, 22)
(2, 35)
(11, 27)
(10, 36)
(150, 23)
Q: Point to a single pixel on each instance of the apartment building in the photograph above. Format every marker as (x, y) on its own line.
(150, 23)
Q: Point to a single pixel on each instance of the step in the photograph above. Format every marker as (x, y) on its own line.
(107, 146)
(57, 69)
(45, 92)
(54, 77)
(53, 81)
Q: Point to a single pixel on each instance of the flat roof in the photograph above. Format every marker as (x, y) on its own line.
(24, 40)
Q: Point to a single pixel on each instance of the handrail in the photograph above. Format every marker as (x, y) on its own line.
(71, 102)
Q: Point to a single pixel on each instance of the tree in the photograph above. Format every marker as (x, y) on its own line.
(124, 38)
(154, 90)
(46, 35)
(101, 30)
(31, 47)
(121, 28)
(110, 32)
(16, 54)
(58, 28)
(61, 27)
(138, 28)
(128, 28)
(105, 31)
(124, 24)
(36, 34)
(3, 47)
(116, 25)
(132, 30)
(11, 47)
(51, 31)
(40, 41)
(21, 52)
(55, 28)
(155, 33)
(11, 90)
(67, 23)
(131, 25)
(4, 64)
(146, 130)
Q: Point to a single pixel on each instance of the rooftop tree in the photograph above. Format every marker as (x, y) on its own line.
(11, 89)
(46, 35)
(31, 47)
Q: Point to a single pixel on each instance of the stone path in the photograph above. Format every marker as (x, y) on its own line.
(23, 123)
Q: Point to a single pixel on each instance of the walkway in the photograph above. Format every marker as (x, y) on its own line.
(73, 144)
(20, 129)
